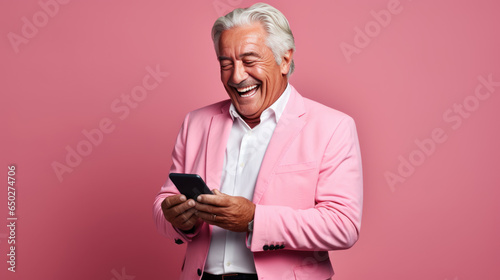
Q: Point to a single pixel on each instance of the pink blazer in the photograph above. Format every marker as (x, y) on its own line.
(308, 193)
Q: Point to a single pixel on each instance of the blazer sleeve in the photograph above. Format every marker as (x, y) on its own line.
(335, 220)
(178, 166)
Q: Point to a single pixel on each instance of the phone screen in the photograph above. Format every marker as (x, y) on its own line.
(190, 185)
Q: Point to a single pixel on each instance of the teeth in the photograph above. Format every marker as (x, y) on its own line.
(246, 89)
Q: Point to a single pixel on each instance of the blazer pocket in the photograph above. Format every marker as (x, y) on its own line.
(296, 167)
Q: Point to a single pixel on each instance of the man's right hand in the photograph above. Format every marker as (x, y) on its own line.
(180, 212)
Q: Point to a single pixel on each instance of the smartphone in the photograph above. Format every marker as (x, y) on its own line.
(190, 185)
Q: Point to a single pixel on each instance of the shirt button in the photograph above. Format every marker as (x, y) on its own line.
(228, 263)
(242, 164)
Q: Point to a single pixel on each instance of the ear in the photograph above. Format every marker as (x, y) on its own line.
(286, 61)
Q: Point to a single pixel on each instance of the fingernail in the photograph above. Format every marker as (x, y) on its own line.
(183, 198)
(191, 203)
(199, 198)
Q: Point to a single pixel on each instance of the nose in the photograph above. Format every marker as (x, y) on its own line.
(239, 73)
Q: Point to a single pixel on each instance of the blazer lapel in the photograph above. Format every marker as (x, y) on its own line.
(220, 127)
(289, 125)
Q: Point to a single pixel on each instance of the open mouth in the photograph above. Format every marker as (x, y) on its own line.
(247, 91)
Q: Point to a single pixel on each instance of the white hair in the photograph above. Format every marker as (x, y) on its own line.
(279, 35)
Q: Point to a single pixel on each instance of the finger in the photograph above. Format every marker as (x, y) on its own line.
(208, 208)
(183, 207)
(186, 217)
(218, 199)
(210, 217)
(189, 224)
(172, 212)
(217, 192)
(173, 200)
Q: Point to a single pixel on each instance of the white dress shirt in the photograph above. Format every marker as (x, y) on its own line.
(245, 150)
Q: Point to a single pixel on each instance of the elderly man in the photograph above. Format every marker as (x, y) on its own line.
(285, 170)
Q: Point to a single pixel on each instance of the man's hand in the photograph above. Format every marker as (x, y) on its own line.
(229, 212)
(180, 212)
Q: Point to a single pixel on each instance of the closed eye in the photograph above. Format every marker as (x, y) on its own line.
(226, 66)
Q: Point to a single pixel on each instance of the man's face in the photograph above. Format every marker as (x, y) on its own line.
(249, 71)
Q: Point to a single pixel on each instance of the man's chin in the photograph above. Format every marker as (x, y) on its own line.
(246, 111)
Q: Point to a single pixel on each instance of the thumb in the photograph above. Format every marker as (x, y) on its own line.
(217, 192)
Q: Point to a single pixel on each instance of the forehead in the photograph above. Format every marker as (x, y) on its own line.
(242, 38)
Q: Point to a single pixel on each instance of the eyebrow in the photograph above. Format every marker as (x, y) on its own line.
(249, 54)
(221, 57)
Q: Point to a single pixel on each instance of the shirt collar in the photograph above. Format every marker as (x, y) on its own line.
(276, 109)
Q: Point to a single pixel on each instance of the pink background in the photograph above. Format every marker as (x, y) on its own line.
(439, 221)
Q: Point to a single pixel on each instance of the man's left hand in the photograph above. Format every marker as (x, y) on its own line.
(229, 212)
